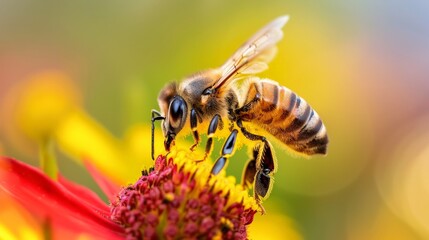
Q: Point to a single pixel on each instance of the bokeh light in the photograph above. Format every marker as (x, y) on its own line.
(402, 175)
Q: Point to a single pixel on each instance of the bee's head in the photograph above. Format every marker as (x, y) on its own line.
(174, 120)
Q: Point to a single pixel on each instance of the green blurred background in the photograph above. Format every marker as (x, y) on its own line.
(363, 65)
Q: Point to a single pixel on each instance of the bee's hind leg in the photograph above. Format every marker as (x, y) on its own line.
(248, 178)
(260, 168)
(248, 134)
(266, 166)
(249, 172)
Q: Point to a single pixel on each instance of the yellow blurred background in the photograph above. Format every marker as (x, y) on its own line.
(363, 65)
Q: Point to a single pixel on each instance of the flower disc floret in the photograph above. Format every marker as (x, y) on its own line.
(180, 199)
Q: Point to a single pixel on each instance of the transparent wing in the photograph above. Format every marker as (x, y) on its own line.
(253, 56)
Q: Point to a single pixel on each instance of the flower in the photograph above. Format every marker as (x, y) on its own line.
(177, 198)
(182, 200)
(65, 206)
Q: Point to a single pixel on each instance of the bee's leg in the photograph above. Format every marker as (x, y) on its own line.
(248, 134)
(227, 151)
(248, 105)
(155, 117)
(266, 165)
(248, 176)
(214, 124)
(194, 121)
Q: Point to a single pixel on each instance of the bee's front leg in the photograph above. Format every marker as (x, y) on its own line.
(194, 121)
(156, 116)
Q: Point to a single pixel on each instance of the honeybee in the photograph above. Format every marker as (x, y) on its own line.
(231, 93)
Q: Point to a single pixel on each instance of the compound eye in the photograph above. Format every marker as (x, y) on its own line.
(177, 113)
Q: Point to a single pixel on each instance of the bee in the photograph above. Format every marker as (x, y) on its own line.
(249, 104)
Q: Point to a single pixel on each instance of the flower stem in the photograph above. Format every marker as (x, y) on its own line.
(47, 230)
(48, 162)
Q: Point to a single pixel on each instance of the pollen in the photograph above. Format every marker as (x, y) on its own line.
(180, 199)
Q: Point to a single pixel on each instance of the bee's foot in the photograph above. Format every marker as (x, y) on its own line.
(261, 208)
(192, 148)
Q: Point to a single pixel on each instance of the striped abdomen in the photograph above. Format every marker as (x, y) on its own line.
(285, 115)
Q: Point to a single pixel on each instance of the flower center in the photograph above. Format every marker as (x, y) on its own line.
(180, 199)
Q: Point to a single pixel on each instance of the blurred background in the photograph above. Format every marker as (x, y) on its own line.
(363, 65)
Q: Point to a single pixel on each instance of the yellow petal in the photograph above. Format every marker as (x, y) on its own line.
(16, 222)
(42, 102)
(84, 139)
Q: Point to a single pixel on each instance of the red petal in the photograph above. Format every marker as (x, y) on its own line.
(109, 188)
(90, 198)
(51, 200)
